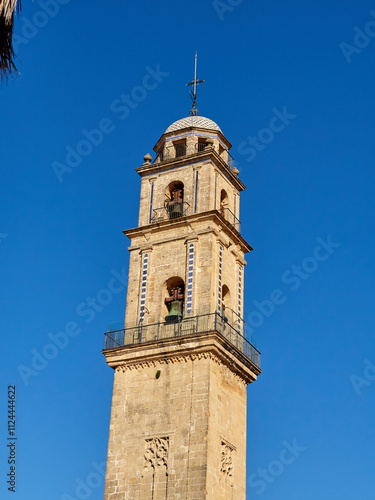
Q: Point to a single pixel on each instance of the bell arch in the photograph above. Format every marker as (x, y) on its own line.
(226, 300)
(223, 201)
(173, 296)
(174, 199)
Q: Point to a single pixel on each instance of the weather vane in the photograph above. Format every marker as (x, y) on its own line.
(193, 93)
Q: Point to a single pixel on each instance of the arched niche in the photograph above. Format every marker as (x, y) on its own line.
(226, 300)
(173, 290)
(174, 199)
(223, 201)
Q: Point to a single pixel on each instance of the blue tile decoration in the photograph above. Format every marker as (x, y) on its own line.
(220, 269)
(143, 286)
(240, 273)
(189, 301)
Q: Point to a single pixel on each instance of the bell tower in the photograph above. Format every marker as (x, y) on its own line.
(182, 361)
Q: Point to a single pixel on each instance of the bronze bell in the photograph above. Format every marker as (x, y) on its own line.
(175, 312)
(175, 209)
(175, 205)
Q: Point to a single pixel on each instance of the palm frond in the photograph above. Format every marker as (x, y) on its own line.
(7, 9)
(7, 55)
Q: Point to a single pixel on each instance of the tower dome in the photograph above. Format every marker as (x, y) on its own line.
(193, 121)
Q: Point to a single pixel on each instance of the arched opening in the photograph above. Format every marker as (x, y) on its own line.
(225, 302)
(174, 199)
(173, 297)
(223, 202)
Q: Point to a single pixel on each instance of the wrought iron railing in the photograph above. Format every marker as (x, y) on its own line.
(187, 326)
(200, 146)
(180, 150)
(170, 212)
(231, 218)
(163, 155)
(229, 160)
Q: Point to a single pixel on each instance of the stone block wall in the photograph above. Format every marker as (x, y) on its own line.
(177, 431)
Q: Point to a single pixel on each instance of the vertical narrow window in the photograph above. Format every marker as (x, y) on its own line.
(180, 148)
(201, 145)
(151, 198)
(154, 478)
(220, 274)
(144, 272)
(190, 278)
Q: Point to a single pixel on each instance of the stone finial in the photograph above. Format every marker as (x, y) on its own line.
(235, 171)
(147, 158)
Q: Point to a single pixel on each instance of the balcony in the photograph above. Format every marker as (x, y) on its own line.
(170, 212)
(234, 333)
(229, 159)
(201, 146)
(231, 218)
(170, 152)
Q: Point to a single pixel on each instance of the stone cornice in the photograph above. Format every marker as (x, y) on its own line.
(212, 215)
(182, 359)
(182, 161)
(207, 345)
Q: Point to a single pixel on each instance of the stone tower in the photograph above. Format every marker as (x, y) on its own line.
(182, 361)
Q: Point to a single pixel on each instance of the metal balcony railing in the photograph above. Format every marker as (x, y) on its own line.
(163, 155)
(170, 212)
(231, 218)
(200, 146)
(229, 160)
(226, 156)
(170, 152)
(233, 333)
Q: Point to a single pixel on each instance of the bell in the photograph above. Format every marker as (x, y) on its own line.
(175, 312)
(175, 210)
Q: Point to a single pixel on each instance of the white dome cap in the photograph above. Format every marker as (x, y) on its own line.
(193, 121)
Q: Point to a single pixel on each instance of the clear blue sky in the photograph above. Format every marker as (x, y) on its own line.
(61, 242)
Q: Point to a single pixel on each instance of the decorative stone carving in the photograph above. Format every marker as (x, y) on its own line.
(227, 460)
(156, 454)
(190, 357)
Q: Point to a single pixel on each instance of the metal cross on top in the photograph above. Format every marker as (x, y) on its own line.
(193, 93)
